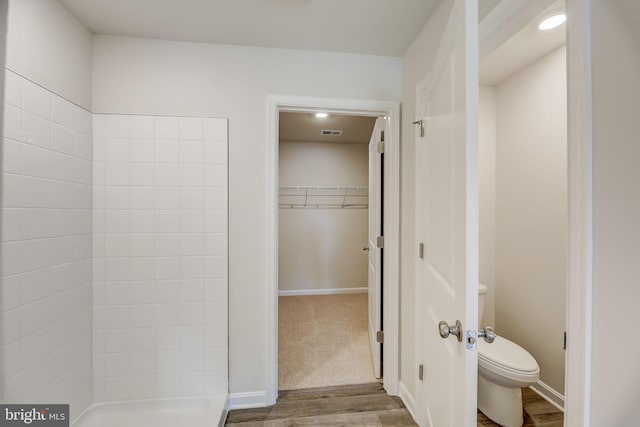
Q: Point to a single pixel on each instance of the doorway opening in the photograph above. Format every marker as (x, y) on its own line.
(324, 208)
(523, 217)
(301, 253)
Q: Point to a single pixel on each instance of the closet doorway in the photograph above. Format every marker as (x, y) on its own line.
(335, 242)
(329, 278)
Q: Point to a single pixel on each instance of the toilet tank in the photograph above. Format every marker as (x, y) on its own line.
(482, 296)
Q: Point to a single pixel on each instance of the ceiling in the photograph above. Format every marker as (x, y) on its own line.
(381, 27)
(525, 47)
(305, 127)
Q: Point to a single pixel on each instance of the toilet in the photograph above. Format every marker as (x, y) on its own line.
(504, 368)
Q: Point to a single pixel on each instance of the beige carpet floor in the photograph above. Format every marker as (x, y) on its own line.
(323, 341)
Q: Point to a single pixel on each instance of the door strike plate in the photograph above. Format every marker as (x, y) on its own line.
(472, 339)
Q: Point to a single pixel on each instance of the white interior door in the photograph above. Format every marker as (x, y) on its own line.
(375, 253)
(447, 224)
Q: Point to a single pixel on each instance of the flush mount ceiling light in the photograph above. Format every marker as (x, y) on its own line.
(321, 115)
(551, 21)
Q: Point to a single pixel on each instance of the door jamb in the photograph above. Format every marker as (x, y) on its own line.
(391, 291)
(506, 17)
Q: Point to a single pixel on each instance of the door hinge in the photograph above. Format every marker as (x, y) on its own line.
(380, 336)
(419, 122)
(381, 147)
(382, 136)
(421, 372)
(421, 250)
(564, 340)
(380, 242)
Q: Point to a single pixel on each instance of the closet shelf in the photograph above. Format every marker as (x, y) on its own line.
(306, 197)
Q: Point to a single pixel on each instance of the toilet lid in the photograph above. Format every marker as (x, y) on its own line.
(505, 353)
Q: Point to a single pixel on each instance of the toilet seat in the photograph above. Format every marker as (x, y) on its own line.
(507, 359)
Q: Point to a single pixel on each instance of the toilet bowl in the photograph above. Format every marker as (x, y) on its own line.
(504, 368)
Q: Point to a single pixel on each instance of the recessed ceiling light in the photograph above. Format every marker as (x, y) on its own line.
(321, 115)
(552, 22)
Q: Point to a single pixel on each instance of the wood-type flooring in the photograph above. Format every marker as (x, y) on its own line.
(365, 405)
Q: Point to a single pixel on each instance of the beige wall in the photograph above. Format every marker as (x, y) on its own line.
(531, 212)
(142, 76)
(487, 214)
(616, 211)
(49, 46)
(321, 249)
(416, 63)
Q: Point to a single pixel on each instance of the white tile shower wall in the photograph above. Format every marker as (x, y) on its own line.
(160, 248)
(46, 247)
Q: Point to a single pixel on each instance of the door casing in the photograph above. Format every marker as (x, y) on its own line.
(391, 269)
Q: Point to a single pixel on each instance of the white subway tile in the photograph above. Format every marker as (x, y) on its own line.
(167, 244)
(192, 336)
(12, 329)
(117, 341)
(192, 291)
(167, 128)
(192, 267)
(215, 152)
(116, 293)
(215, 129)
(13, 88)
(113, 126)
(167, 151)
(167, 174)
(143, 198)
(191, 152)
(116, 197)
(36, 99)
(83, 121)
(11, 156)
(35, 316)
(143, 268)
(191, 198)
(168, 268)
(142, 245)
(167, 291)
(36, 130)
(191, 175)
(117, 269)
(142, 150)
(144, 339)
(215, 244)
(215, 198)
(142, 221)
(116, 222)
(143, 363)
(116, 150)
(215, 175)
(12, 123)
(192, 360)
(215, 290)
(36, 224)
(216, 359)
(117, 388)
(117, 245)
(215, 221)
(64, 167)
(11, 190)
(143, 292)
(117, 174)
(191, 128)
(167, 198)
(168, 222)
(36, 192)
(142, 174)
(11, 291)
(191, 221)
(215, 267)
(168, 361)
(142, 127)
(83, 146)
(62, 139)
(63, 112)
(117, 316)
(11, 223)
(191, 244)
(36, 161)
(143, 316)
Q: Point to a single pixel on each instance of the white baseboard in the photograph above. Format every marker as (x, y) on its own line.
(225, 413)
(549, 394)
(408, 399)
(254, 399)
(334, 291)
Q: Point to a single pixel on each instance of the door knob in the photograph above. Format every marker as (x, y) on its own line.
(365, 248)
(487, 333)
(446, 330)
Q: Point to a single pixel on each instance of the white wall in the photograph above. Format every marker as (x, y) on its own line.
(531, 212)
(141, 76)
(160, 257)
(321, 249)
(487, 191)
(616, 210)
(46, 208)
(416, 63)
(47, 45)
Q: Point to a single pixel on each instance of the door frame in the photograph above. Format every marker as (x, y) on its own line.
(503, 21)
(391, 261)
